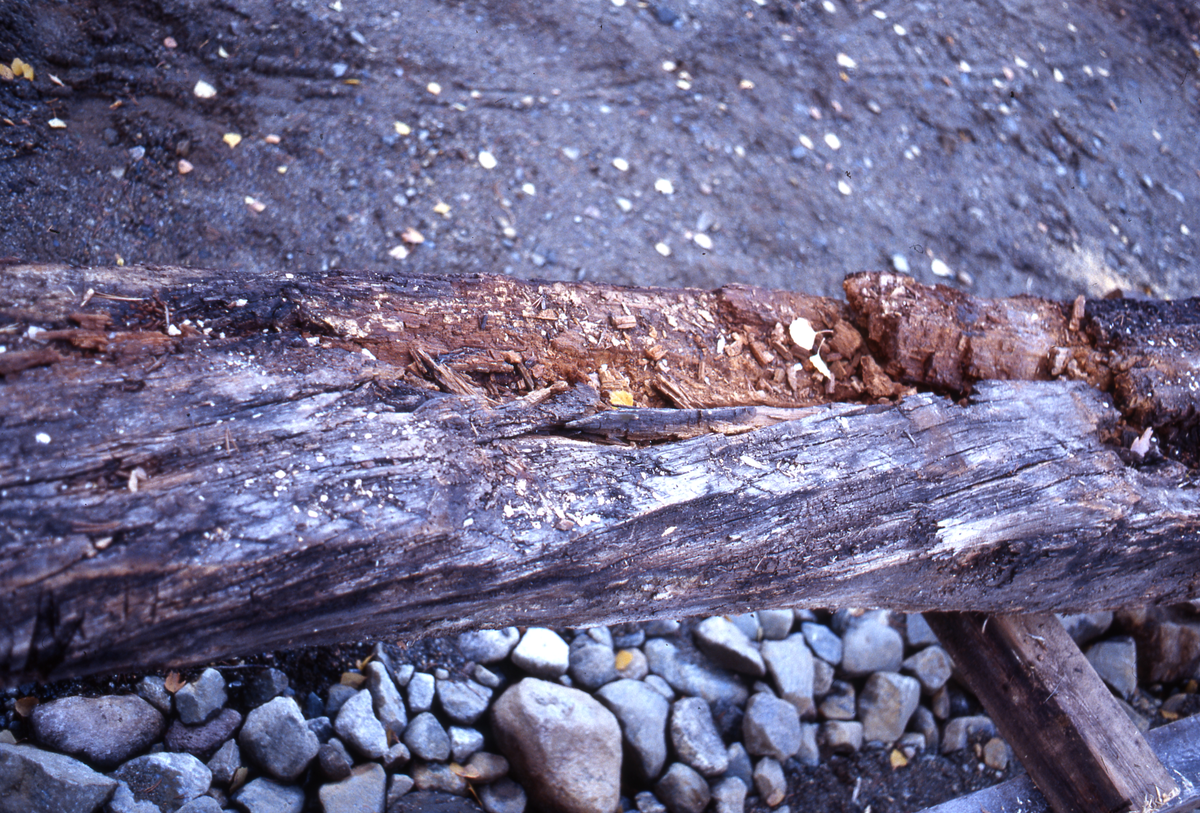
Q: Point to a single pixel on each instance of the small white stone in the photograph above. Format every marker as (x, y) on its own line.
(204, 90)
(899, 29)
(846, 62)
(940, 269)
(703, 240)
(900, 263)
(833, 141)
(529, 189)
(621, 164)
(625, 204)
(42, 437)
(665, 186)
(844, 187)
(663, 249)
(1058, 75)
(487, 160)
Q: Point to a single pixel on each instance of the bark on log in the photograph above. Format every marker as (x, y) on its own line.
(169, 495)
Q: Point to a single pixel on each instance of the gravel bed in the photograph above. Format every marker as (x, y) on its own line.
(775, 710)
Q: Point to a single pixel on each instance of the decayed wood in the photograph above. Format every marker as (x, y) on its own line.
(1078, 745)
(194, 466)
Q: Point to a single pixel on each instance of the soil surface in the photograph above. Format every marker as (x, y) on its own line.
(1003, 147)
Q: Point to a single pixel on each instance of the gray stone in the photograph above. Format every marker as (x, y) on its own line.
(748, 624)
(1168, 640)
(691, 678)
(924, 722)
(809, 753)
(464, 701)
(166, 780)
(592, 664)
(886, 703)
(276, 739)
(335, 760)
(822, 677)
(153, 690)
(484, 767)
(321, 727)
(421, 690)
(385, 699)
(1086, 627)
(840, 703)
(954, 737)
(659, 685)
(632, 664)
(363, 791)
(871, 647)
(771, 727)
(911, 743)
(202, 804)
(105, 731)
(542, 653)
(123, 801)
(596, 635)
(35, 780)
(268, 796)
(642, 714)
(224, 763)
(770, 782)
(842, 736)
(397, 757)
(729, 795)
(1115, 661)
(264, 686)
(488, 646)
(628, 637)
(563, 745)
(438, 776)
(647, 802)
(402, 674)
(790, 665)
(996, 754)
(931, 667)
(918, 632)
(359, 728)
(825, 642)
(775, 624)
(203, 740)
(426, 738)
(464, 742)
(486, 677)
(728, 646)
(432, 801)
(683, 790)
(502, 796)
(695, 737)
(336, 695)
(199, 700)
(739, 764)
(398, 785)
(940, 703)
(661, 627)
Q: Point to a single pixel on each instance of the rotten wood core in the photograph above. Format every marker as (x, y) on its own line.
(200, 464)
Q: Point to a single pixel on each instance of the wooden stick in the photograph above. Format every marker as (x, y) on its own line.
(1078, 745)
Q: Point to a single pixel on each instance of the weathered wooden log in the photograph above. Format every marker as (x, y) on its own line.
(1074, 739)
(193, 467)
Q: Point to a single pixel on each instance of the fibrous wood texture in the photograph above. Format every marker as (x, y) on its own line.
(1074, 739)
(195, 465)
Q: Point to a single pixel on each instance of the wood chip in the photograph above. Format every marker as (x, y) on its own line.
(623, 321)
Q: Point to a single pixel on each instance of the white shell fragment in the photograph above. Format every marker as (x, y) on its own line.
(204, 90)
(665, 186)
(846, 61)
(1141, 446)
(57, 124)
(703, 240)
(822, 368)
(487, 160)
(833, 141)
(663, 249)
(940, 269)
(802, 333)
(42, 437)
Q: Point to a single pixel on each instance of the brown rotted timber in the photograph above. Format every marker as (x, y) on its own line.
(291, 489)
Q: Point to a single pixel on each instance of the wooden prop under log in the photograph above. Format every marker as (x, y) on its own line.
(195, 466)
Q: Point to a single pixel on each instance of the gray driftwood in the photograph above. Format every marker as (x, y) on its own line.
(227, 496)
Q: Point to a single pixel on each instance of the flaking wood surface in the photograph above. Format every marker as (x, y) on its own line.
(292, 489)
